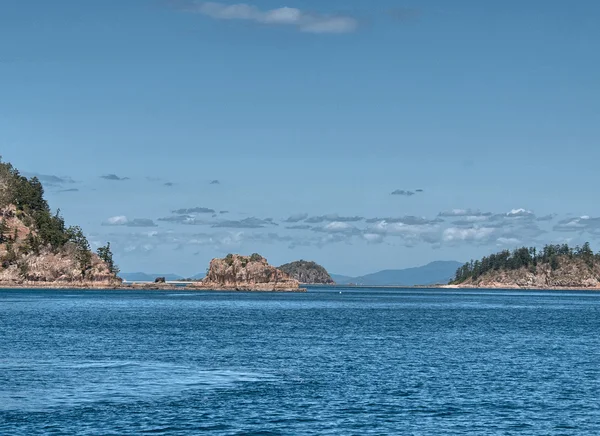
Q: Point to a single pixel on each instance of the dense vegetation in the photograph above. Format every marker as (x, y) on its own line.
(47, 230)
(307, 272)
(254, 257)
(529, 258)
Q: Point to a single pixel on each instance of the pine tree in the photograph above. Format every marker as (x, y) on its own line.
(105, 254)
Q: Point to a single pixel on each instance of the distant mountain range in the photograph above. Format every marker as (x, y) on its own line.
(430, 274)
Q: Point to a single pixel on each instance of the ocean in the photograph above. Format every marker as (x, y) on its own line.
(332, 361)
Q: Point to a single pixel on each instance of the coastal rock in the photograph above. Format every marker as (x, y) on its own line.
(246, 273)
(307, 272)
(569, 274)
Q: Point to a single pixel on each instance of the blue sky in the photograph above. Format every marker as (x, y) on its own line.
(307, 109)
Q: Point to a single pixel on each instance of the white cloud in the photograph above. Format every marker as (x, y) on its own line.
(454, 234)
(338, 227)
(120, 220)
(373, 238)
(519, 213)
(285, 16)
(464, 213)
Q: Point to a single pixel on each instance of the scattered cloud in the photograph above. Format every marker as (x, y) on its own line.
(122, 220)
(463, 213)
(169, 184)
(179, 219)
(194, 210)
(114, 177)
(403, 192)
(296, 218)
(337, 227)
(285, 16)
(373, 238)
(51, 180)
(299, 227)
(454, 234)
(222, 212)
(247, 223)
(141, 222)
(409, 220)
(214, 182)
(117, 220)
(518, 213)
(331, 218)
(580, 224)
(412, 231)
(504, 242)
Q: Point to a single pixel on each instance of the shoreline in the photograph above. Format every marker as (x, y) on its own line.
(139, 287)
(507, 287)
(303, 289)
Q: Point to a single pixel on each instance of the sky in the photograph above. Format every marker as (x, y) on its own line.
(362, 135)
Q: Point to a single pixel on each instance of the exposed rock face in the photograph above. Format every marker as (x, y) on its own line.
(571, 273)
(57, 270)
(307, 272)
(246, 273)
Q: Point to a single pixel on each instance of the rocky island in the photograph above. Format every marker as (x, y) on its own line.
(306, 272)
(553, 267)
(37, 249)
(246, 273)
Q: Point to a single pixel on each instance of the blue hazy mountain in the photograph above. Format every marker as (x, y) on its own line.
(430, 274)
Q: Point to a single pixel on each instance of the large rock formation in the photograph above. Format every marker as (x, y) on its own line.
(36, 248)
(570, 274)
(246, 273)
(307, 272)
(555, 266)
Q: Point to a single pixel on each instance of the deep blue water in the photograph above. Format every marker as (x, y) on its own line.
(357, 362)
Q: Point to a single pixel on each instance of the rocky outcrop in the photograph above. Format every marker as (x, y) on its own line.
(569, 274)
(246, 273)
(60, 270)
(306, 272)
(37, 249)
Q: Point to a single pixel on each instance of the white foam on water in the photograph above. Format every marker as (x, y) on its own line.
(84, 382)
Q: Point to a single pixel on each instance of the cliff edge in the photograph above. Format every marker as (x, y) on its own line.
(246, 273)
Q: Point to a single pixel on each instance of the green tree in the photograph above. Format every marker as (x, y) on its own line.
(3, 231)
(11, 255)
(105, 254)
(255, 257)
(82, 248)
